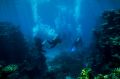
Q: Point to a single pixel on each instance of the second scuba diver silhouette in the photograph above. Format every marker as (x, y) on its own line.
(77, 44)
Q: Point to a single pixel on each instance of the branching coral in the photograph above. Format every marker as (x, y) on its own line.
(85, 73)
(115, 40)
(116, 70)
(10, 68)
(108, 42)
(7, 70)
(114, 74)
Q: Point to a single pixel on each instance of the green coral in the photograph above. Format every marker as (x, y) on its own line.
(114, 74)
(85, 73)
(10, 68)
(6, 71)
(115, 40)
(116, 70)
(99, 76)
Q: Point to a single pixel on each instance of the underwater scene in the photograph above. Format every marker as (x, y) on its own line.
(59, 39)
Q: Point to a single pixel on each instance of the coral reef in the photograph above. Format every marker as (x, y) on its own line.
(66, 64)
(86, 74)
(13, 46)
(114, 74)
(108, 41)
(6, 71)
(10, 68)
(15, 52)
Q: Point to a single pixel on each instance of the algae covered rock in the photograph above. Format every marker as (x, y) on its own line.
(13, 46)
(10, 68)
(7, 71)
(108, 41)
(86, 73)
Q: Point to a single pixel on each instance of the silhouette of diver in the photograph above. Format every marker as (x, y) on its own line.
(78, 43)
(38, 44)
(54, 42)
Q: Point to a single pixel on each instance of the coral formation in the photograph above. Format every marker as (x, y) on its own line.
(10, 68)
(30, 59)
(108, 41)
(67, 64)
(6, 71)
(12, 39)
(114, 74)
(85, 74)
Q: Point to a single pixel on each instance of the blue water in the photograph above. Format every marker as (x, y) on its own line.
(67, 18)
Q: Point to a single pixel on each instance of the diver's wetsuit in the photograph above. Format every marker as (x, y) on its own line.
(54, 42)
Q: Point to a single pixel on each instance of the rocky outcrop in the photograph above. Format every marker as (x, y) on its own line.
(108, 41)
(13, 46)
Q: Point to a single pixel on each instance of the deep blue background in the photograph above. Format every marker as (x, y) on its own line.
(59, 15)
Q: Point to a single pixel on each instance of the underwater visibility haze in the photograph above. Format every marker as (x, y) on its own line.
(59, 39)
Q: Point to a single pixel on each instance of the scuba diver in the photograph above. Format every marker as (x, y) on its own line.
(77, 44)
(38, 44)
(54, 42)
